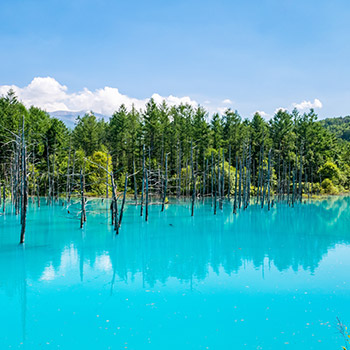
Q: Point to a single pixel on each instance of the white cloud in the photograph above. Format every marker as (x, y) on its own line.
(48, 94)
(263, 114)
(279, 109)
(173, 100)
(222, 110)
(303, 105)
(308, 104)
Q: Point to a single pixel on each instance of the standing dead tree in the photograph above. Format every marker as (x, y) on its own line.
(83, 212)
(143, 180)
(24, 194)
(165, 181)
(193, 182)
(123, 204)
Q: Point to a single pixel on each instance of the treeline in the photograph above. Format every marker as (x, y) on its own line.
(182, 141)
(339, 126)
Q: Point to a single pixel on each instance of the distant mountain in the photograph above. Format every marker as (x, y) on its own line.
(69, 117)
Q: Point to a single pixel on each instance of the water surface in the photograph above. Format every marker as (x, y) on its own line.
(255, 280)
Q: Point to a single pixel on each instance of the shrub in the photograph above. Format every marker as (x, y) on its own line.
(330, 171)
(327, 187)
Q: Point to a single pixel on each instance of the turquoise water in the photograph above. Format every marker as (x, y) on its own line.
(257, 280)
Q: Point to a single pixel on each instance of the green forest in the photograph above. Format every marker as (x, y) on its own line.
(180, 141)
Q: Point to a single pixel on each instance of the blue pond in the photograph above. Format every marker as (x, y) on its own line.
(255, 280)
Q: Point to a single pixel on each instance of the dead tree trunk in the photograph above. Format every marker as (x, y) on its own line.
(143, 180)
(215, 194)
(123, 203)
(300, 175)
(24, 188)
(165, 181)
(146, 216)
(240, 185)
(222, 180)
(212, 177)
(193, 183)
(229, 174)
(134, 177)
(82, 216)
(53, 173)
(107, 187)
(71, 179)
(114, 207)
(236, 181)
(179, 173)
(269, 181)
(48, 173)
(219, 181)
(4, 198)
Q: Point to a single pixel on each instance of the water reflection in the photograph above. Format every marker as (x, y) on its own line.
(71, 268)
(171, 244)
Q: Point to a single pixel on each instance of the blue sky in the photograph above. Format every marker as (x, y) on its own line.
(259, 54)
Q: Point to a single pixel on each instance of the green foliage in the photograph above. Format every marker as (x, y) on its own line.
(97, 176)
(217, 131)
(338, 126)
(327, 187)
(330, 171)
(165, 130)
(88, 134)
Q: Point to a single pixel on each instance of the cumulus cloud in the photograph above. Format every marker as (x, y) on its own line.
(263, 114)
(221, 110)
(302, 105)
(48, 94)
(227, 101)
(308, 104)
(279, 109)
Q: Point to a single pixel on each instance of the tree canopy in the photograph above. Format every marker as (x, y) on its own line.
(170, 130)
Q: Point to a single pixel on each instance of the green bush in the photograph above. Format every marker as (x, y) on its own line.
(327, 187)
(330, 170)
